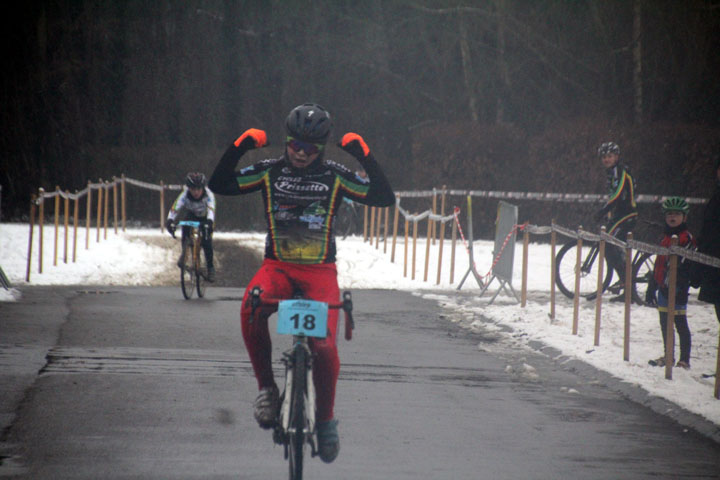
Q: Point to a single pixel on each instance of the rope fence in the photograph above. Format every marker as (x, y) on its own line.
(376, 226)
(581, 235)
(105, 190)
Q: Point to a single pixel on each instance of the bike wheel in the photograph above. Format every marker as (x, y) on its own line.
(345, 221)
(643, 265)
(200, 272)
(296, 437)
(187, 276)
(565, 270)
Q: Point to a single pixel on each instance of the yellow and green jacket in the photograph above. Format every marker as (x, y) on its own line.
(300, 204)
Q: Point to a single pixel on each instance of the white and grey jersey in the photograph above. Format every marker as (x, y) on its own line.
(204, 207)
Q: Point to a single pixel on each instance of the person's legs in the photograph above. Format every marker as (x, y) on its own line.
(683, 329)
(319, 282)
(274, 284)
(208, 246)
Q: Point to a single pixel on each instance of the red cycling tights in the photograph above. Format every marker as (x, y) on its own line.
(280, 280)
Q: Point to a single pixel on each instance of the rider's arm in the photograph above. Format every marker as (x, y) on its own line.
(224, 179)
(210, 205)
(379, 193)
(177, 205)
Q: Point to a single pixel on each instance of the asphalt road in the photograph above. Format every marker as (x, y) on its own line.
(138, 383)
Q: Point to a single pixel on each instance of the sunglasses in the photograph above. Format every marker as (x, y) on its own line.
(309, 148)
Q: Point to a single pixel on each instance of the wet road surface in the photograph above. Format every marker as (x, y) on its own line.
(139, 383)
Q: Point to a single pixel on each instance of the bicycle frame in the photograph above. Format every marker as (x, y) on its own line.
(298, 375)
(197, 276)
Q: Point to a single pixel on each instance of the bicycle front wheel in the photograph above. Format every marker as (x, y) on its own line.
(187, 276)
(200, 271)
(296, 437)
(565, 270)
(643, 266)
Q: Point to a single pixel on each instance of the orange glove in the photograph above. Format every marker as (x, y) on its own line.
(354, 145)
(252, 138)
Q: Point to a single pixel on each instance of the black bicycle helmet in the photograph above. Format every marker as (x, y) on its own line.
(310, 123)
(607, 148)
(675, 204)
(195, 180)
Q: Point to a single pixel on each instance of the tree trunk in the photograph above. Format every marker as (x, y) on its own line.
(637, 62)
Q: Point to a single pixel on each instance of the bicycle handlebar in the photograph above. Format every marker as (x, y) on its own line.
(346, 305)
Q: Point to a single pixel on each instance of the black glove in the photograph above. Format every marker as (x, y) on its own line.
(252, 138)
(651, 297)
(354, 144)
(170, 226)
(208, 228)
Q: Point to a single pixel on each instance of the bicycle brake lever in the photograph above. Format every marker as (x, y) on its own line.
(349, 322)
(254, 301)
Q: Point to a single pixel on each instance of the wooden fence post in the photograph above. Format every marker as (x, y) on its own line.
(41, 224)
(98, 225)
(576, 297)
(365, 222)
(440, 250)
(66, 223)
(115, 205)
(670, 326)
(395, 228)
(717, 372)
(385, 232)
(106, 187)
(600, 279)
(57, 221)
(377, 228)
(628, 297)
(407, 227)
(553, 268)
(88, 215)
(433, 229)
(526, 243)
(371, 231)
(76, 205)
(452, 250)
(33, 206)
(123, 199)
(429, 238)
(414, 248)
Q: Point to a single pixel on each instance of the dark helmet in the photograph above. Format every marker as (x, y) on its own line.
(195, 180)
(675, 204)
(309, 122)
(608, 147)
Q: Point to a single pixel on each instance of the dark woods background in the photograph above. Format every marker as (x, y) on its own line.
(490, 95)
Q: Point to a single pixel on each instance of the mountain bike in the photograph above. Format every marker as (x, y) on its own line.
(565, 260)
(295, 427)
(347, 220)
(193, 273)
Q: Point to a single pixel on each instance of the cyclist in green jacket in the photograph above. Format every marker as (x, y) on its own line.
(620, 210)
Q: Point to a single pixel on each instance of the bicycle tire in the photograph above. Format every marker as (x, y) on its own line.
(187, 277)
(565, 271)
(200, 271)
(296, 437)
(346, 220)
(643, 266)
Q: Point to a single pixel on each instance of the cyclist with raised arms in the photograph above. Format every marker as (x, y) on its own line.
(196, 203)
(302, 192)
(620, 210)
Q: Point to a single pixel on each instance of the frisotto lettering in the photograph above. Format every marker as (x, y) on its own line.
(299, 187)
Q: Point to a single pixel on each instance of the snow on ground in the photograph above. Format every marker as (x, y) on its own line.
(146, 257)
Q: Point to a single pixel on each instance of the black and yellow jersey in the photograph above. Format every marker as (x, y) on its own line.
(300, 204)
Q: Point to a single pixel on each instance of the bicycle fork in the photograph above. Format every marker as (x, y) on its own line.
(284, 427)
